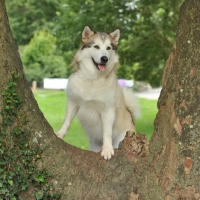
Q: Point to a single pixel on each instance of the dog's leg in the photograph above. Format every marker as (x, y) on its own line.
(108, 117)
(95, 146)
(72, 109)
(118, 139)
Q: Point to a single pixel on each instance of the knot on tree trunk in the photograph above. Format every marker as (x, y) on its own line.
(135, 143)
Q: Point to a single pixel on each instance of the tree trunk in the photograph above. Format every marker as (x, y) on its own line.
(169, 171)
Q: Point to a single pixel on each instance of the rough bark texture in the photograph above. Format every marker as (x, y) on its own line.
(169, 171)
(176, 141)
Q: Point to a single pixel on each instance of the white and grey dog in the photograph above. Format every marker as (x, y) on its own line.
(105, 110)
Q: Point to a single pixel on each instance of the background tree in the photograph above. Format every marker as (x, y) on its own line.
(152, 38)
(41, 59)
(32, 22)
(27, 17)
(170, 171)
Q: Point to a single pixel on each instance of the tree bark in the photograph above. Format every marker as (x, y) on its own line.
(169, 171)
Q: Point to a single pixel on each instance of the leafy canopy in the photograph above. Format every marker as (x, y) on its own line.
(26, 17)
(147, 29)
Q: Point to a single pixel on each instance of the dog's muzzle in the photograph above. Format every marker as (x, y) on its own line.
(101, 66)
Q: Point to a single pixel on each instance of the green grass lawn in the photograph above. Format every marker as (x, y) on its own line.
(53, 105)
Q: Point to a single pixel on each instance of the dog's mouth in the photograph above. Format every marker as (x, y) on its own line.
(99, 66)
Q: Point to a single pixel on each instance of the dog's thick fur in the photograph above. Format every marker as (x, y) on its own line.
(105, 110)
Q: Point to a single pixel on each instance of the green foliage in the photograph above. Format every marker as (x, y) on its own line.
(152, 38)
(26, 17)
(147, 29)
(41, 59)
(17, 156)
(12, 101)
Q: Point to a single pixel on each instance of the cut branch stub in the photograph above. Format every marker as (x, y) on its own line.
(137, 144)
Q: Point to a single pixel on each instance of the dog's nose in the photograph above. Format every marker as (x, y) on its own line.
(104, 59)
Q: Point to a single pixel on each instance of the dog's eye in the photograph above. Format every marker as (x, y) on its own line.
(108, 48)
(96, 47)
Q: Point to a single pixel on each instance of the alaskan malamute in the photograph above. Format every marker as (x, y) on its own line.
(105, 110)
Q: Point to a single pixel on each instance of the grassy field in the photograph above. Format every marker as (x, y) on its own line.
(53, 105)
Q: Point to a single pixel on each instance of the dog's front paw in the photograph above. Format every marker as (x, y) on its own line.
(59, 134)
(107, 152)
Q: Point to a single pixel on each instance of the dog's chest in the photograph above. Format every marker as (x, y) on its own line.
(86, 91)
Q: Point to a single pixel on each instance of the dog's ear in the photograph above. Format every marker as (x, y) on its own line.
(87, 34)
(115, 35)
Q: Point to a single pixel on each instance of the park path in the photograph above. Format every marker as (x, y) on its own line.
(152, 94)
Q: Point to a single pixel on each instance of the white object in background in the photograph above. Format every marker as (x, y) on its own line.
(55, 83)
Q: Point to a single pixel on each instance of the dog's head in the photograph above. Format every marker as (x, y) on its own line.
(100, 48)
